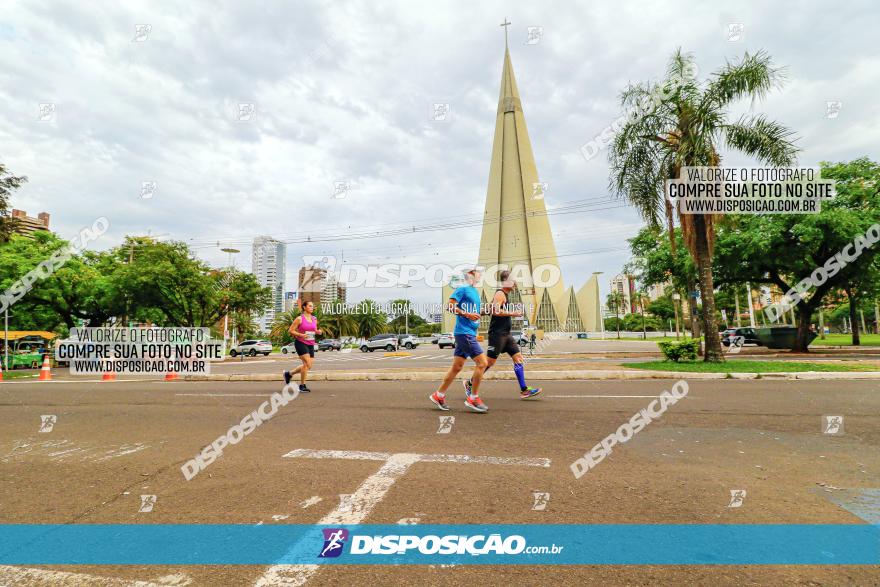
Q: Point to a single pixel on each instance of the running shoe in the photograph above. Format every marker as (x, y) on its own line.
(287, 378)
(439, 401)
(474, 403)
(529, 392)
(304, 389)
(468, 385)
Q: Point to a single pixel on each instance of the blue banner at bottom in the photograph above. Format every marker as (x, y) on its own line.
(618, 544)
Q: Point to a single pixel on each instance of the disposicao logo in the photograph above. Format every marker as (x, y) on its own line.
(334, 540)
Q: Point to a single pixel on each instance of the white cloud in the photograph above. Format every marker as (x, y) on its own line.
(343, 92)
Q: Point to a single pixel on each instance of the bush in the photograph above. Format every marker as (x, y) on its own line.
(677, 351)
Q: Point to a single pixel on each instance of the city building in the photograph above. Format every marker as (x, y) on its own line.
(333, 290)
(27, 224)
(516, 229)
(312, 280)
(290, 298)
(319, 286)
(268, 262)
(625, 285)
(657, 291)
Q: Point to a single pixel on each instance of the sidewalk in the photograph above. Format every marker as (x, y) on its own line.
(554, 375)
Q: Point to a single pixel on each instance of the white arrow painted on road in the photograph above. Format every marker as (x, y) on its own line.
(358, 505)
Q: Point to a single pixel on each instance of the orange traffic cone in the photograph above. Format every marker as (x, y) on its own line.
(109, 375)
(46, 370)
(171, 376)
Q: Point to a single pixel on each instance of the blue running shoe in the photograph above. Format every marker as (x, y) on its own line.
(529, 392)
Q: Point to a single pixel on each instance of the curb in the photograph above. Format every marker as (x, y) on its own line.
(542, 376)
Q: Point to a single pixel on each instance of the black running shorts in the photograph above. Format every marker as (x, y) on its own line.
(304, 349)
(501, 343)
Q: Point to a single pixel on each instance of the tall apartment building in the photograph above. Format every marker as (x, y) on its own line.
(333, 291)
(28, 224)
(625, 285)
(268, 262)
(657, 291)
(312, 280)
(318, 285)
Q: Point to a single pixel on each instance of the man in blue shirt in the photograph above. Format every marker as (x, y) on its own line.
(465, 304)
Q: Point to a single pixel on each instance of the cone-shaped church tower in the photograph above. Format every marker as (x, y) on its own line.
(516, 229)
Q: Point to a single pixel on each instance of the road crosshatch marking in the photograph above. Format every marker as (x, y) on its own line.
(355, 507)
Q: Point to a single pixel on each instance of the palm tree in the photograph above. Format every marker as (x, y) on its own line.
(684, 128)
(336, 325)
(278, 331)
(639, 299)
(615, 300)
(369, 322)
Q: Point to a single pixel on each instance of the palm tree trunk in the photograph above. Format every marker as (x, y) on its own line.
(853, 320)
(707, 292)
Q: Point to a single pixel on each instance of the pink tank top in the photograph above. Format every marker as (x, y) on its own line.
(309, 327)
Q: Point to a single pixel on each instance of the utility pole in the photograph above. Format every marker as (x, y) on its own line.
(736, 301)
(676, 297)
(751, 306)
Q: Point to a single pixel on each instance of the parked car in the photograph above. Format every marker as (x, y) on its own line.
(380, 341)
(446, 340)
(407, 341)
(330, 344)
(751, 337)
(520, 338)
(251, 348)
(435, 338)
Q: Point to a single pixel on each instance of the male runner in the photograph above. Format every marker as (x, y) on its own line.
(500, 339)
(465, 304)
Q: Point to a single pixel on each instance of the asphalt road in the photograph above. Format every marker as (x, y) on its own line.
(111, 443)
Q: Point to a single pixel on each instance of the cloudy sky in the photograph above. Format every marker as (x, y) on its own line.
(344, 92)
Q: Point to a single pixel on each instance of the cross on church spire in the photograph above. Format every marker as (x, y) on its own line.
(505, 24)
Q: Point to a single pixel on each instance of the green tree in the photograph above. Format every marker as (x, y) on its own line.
(615, 301)
(370, 321)
(684, 126)
(335, 325)
(164, 279)
(8, 182)
(77, 289)
(406, 318)
(662, 308)
(785, 249)
(279, 329)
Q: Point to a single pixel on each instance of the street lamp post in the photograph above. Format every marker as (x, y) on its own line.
(406, 311)
(226, 315)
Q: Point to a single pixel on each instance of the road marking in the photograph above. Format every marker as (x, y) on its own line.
(61, 450)
(66, 381)
(224, 394)
(44, 577)
(608, 396)
(355, 507)
(310, 502)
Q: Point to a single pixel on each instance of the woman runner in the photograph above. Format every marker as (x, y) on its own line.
(304, 329)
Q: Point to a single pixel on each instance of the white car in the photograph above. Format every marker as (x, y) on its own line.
(252, 348)
(446, 340)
